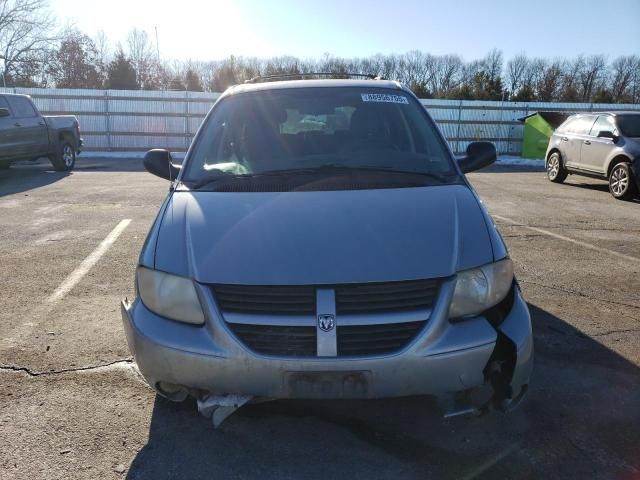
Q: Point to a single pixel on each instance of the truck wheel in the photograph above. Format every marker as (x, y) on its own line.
(65, 159)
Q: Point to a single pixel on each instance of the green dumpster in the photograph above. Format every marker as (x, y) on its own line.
(538, 128)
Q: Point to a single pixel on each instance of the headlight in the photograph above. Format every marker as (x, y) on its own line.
(169, 296)
(481, 288)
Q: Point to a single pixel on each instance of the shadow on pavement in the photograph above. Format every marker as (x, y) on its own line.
(602, 186)
(28, 176)
(497, 168)
(581, 419)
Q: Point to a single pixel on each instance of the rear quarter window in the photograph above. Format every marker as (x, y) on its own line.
(22, 107)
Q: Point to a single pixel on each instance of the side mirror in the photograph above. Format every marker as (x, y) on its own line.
(607, 134)
(479, 155)
(160, 163)
(4, 112)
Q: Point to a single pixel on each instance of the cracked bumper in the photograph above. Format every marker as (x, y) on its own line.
(444, 360)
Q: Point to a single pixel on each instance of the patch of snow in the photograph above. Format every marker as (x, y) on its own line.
(115, 155)
(519, 161)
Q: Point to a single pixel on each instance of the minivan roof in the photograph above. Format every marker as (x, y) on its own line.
(251, 87)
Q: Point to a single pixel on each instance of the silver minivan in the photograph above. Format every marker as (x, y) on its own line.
(320, 240)
(602, 145)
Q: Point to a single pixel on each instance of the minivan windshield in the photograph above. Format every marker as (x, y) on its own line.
(305, 130)
(629, 125)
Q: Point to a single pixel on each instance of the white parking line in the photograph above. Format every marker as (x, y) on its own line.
(74, 277)
(567, 239)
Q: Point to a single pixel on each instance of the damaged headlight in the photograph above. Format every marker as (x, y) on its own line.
(169, 296)
(481, 288)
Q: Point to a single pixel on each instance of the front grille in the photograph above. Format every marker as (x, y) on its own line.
(277, 340)
(386, 297)
(270, 300)
(368, 299)
(376, 339)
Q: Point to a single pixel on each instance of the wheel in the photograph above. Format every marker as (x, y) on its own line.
(555, 171)
(621, 183)
(65, 159)
(5, 165)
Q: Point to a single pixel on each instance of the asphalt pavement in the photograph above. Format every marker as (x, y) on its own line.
(73, 406)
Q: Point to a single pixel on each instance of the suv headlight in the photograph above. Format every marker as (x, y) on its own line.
(169, 296)
(481, 288)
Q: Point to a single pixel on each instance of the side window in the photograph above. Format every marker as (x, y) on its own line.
(604, 123)
(567, 125)
(580, 125)
(22, 107)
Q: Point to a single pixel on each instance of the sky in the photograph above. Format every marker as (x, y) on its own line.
(215, 29)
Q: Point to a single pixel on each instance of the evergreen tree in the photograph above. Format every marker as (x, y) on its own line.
(120, 74)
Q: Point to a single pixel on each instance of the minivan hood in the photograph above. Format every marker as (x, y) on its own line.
(321, 237)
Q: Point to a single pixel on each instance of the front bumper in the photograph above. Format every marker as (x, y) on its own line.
(444, 360)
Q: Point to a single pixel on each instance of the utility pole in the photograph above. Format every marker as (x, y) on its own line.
(157, 44)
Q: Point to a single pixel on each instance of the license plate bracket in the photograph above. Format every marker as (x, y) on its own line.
(331, 384)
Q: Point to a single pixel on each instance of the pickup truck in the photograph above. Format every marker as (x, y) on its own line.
(27, 135)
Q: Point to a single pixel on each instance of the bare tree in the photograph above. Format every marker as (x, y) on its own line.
(535, 74)
(622, 75)
(144, 59)
(492, 64)
(516, 69)
(447, 75)
(103, 53)
(417, 68)
(281, 65)
(590, 75)
(569, 87)
(26, 28)
(549, 84)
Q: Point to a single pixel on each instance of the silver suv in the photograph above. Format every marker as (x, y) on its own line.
(603, 145)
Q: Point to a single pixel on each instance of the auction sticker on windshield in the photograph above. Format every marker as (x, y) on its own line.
(384, 98)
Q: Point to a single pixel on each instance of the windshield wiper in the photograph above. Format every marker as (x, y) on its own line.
(327, 168)
(376, 168)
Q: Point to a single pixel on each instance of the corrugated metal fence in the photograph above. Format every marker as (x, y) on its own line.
(124, 120)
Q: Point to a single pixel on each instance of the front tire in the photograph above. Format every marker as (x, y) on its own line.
(65, 159)
(555, 170)
(621, 182)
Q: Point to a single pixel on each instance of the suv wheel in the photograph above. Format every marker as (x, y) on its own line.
(65, 159)
(555, 171)
(621, 183)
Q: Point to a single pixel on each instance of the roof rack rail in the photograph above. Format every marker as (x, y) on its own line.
(270, 78)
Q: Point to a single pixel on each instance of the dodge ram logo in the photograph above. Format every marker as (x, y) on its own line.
(326, 322)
